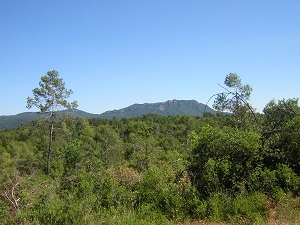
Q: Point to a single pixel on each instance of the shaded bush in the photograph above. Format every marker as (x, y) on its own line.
(222, 159)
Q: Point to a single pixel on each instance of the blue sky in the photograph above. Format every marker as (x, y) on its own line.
(116, 53)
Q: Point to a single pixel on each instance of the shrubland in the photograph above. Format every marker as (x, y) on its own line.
(236, 168)
(150, 170)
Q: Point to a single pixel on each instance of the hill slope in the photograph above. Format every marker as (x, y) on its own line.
(168, 108)
(16, 120)
(26, 117)
(171, 107)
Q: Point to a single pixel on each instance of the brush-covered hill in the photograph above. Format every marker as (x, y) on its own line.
(26, 117)
(168, 108)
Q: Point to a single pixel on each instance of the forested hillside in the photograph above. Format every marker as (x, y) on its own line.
(168, 108)
(26, 117)
(239, 168)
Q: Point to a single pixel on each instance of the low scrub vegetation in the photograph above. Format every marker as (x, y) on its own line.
(239, 168)
(150, 170)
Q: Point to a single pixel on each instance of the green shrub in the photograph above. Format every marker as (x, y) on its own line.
(288, 179)
(159, 188)
(244, 208)
(222, 159)
(263, 180)
(4, 213)
(216, 207)
(250, 208)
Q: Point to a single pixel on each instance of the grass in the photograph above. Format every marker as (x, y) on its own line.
(287, 210)
(249, 209)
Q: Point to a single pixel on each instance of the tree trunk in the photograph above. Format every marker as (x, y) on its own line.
(50, 146)
(106, 157)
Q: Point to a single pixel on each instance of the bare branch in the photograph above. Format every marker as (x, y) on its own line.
(9, 194)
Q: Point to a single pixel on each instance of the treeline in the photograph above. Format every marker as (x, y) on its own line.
(154, 169)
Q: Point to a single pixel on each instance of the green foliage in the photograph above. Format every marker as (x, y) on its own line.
(249, 209)
(263, 179)
(223, 158)
(289, 143)
(240, 94)
(49, 98)
(148, 170)
(73, 156)
(238, 210)
(153, 169)
(288, 179)
(278, 114)
(111, 145)
(158, 189)
(51, 94)
(4, 213)
(235, 100)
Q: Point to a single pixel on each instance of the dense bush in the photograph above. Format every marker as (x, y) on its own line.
(148, 170)
(222, 159)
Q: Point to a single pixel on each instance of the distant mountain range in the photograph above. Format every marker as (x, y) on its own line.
(168, 108)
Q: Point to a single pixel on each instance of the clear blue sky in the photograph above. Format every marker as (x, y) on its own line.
(116, 53)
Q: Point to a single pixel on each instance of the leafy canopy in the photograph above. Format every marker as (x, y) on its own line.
(232, 100)
(278, 114)
(51, 94)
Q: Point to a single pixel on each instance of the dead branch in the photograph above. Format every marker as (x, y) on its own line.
(9, 193)
(10, 197)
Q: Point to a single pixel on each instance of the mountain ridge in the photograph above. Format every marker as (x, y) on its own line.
(167, 108)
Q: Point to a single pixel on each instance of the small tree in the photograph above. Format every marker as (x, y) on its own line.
(235, 99)
(49, 98)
